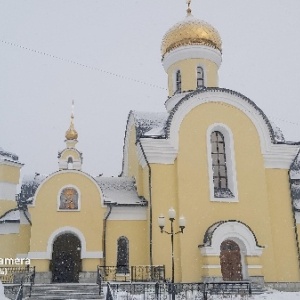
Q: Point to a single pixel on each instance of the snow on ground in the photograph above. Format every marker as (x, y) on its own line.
(270, 295)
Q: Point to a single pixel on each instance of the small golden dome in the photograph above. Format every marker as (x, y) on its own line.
(191, 31)
(71, 133)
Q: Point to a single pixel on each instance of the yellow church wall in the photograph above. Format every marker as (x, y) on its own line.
(6, 205)
(188, 69)
(136, 233)
(164, 196)
(10, 173)
(193, 186)
(285, 265)
(17, 243)
(46, 218)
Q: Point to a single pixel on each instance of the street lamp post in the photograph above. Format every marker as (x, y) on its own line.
(161, 224)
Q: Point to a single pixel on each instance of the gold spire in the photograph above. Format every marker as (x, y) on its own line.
(189, 11)
(71, 133)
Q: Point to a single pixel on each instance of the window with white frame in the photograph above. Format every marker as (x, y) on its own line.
(223, 184)
(200, 77)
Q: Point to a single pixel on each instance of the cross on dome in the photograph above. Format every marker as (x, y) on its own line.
(189, 11)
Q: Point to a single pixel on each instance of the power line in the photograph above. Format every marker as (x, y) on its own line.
(84, 65)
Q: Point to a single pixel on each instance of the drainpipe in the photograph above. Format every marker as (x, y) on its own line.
(150, 202)
(104, 232)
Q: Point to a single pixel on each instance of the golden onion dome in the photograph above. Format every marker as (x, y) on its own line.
(71, 133)
(190, 31)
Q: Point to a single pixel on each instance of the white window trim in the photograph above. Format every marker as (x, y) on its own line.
(230, 162)
(204, 75)
(79, 198)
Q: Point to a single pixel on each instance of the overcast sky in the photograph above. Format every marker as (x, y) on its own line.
(106, 56)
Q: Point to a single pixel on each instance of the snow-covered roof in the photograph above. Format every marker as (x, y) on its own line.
(120, 191)
(278, 135)
(150, 124)
(8, 156)
(295, 168)
(12, 216)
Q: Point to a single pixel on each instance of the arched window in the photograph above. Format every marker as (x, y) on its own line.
(178, 82)
(219, 166)
(200, 77)
(123, 255)
(70, 163)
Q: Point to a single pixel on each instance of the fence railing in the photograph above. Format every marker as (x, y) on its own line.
(241, 288)
(159, 291)
(181, 291)
(143, 273)
(18, 275)
(147, 273)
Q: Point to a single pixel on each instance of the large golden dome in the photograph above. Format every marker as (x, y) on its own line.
(191, 31)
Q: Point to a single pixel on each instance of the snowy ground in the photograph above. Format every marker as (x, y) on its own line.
(271, 295)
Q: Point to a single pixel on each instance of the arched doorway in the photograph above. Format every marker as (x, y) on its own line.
(66, 263)
(230, 259)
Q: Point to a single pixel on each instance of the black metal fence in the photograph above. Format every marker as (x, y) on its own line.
(159, 291)
(227, 288)
(180, 291)
(137, 273)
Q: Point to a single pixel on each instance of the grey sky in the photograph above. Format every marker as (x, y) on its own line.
(261, 59)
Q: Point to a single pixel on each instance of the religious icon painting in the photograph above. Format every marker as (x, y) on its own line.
(68, 199)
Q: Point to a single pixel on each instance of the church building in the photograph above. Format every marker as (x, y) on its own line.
(212, 159)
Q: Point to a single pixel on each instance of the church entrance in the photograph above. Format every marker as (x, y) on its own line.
(66, 263)
(230, 259)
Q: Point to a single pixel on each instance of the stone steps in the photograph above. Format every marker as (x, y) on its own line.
(63, 291)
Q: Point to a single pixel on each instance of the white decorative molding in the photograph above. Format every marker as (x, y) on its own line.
(254, 266)
(230, 161)
(62, 230)
(9, 228)
(8, 191)
(211, 267)
(128, 213)
(173, 100)
(39, 255)
(190, 52)
(159, 151)
(236, 231)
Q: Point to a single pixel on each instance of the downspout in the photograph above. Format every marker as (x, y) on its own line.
(104, 232)
(150, 203)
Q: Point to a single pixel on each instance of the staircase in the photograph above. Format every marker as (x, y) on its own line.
(64, 291)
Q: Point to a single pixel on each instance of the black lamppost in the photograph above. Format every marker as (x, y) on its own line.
(161, 224)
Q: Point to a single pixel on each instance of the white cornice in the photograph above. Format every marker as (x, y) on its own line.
(158, 151)
(192, 51)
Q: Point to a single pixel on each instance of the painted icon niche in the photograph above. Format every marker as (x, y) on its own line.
(68, 199)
